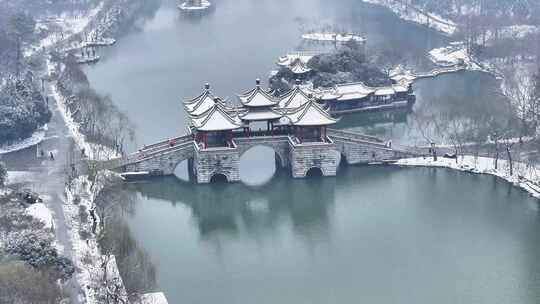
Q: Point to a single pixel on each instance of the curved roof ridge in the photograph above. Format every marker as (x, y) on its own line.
(206, 92)
(289, 96)
(249, 96)
(305, 109)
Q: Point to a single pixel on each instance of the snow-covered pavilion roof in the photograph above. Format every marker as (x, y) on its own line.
(200, 103)
(401, 89)
(310, 114)
(326, 94)
(354, 88)
(200, 107)
(298, 67)
(295, 98)
(385, 91)
(257, 97)
(288, 59)
(259, 115)
(216, 119)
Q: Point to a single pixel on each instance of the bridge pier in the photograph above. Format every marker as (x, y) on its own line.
(214, 161)
(306, 156)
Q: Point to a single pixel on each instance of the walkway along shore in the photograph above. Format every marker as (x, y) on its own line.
(98, 277)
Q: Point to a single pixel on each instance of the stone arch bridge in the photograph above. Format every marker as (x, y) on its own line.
(163, 157)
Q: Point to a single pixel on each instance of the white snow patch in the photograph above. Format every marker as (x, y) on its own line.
(33, 140)
(416, 15)
(73, 127)
(93, 151)
(69, 25)
(450, 55)
(153, 298)
(42, 213)
(16, 177)
(86, 253)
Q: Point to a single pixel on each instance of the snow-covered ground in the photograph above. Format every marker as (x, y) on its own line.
(525, 175)
(153, 298)
(415, 15)
(42, 213)
(67, 25)
(93, 151)
(18, 177)
(402, 75)
(87, 255)
(456, 55)
(35, 139)
(451, 55)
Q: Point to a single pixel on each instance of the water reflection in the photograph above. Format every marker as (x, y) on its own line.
(234, 209)
(466, 103)
(369, 225)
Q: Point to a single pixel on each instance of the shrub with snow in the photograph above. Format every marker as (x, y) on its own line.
(40, 254)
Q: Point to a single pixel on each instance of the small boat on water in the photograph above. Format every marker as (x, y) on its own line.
(194, 5)
(99, 42)
(87, 59)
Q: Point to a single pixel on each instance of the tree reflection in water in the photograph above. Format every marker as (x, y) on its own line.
(135, 266)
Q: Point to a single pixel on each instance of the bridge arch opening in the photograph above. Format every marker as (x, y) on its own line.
(314, 172)
(219, 178)
(182, 170)
(259, 164)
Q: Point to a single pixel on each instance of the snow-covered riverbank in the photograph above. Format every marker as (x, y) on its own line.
(66, 26)
(416, 15)
(525, 176)
(92, 265)
(92, 151)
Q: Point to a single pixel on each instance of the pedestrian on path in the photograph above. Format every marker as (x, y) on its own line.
(52, 155)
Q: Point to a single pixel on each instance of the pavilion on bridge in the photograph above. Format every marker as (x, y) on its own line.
(212, 122)
(259, 105)
(294, 98)
(309, 123)
(296, 114)
(202, 103)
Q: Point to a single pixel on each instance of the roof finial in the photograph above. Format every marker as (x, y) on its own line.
(207, 86)
(258, 82)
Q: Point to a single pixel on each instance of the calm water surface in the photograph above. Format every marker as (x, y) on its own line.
(371, 235)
